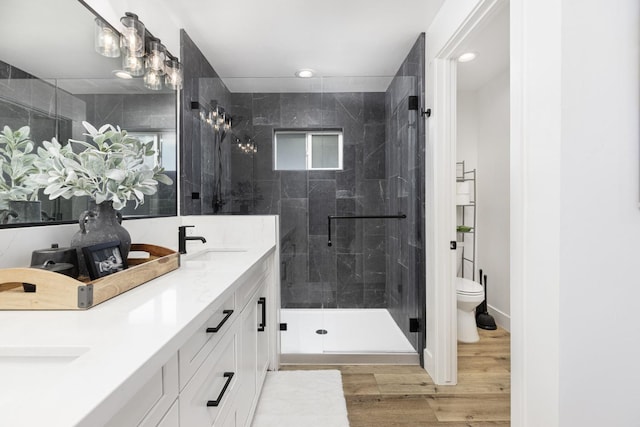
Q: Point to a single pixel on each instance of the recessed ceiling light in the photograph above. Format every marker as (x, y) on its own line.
(305, 73)
(122, 74)
(466, 57)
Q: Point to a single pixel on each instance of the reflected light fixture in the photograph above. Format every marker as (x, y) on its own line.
(106, 40)
(153, 80)
(305, 73)
(213, 115)
(122, 74)
(133, 65)
(173, 74)
(466, 57)
(247, 147)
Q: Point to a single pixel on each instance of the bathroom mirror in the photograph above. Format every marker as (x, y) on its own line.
(51, 79)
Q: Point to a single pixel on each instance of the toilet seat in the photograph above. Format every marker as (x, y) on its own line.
(468, 295)
(468, 287)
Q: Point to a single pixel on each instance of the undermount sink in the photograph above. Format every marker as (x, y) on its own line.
(207, 258)
(30, 355)
(214, 254)
(20, 362)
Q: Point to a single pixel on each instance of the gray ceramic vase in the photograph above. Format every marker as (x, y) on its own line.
(101, 225)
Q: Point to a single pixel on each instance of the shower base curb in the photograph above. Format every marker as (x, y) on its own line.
(350, 359)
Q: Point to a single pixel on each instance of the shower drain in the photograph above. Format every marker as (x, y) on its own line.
(321, 332)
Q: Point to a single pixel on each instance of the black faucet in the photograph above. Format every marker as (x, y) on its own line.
(182, 238)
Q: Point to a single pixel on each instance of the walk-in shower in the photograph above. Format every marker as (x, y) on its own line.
(355, 293)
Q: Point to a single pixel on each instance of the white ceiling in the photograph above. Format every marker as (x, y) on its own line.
(491, 44)
(242, 39)
(253, 38)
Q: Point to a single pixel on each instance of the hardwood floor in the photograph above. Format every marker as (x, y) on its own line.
(405, 396)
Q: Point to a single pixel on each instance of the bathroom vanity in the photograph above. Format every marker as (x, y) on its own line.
(190, 348)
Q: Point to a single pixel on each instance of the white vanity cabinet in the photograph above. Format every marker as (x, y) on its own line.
(208, 398)
(253, 356)
(215, 377)
(206, 337)
(224, 388)
(155, 403)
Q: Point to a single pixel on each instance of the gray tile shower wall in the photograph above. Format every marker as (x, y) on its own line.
(405, 174)
(205, 155)
(313, 274)
(372, 263)
(131, 112)
(26, 100)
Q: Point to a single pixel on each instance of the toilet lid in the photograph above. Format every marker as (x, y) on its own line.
(468, 287)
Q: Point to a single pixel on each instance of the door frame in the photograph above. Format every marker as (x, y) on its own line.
(441, 351)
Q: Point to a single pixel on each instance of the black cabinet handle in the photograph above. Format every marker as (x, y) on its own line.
(228, 314)
(228, 376)
(263, 301)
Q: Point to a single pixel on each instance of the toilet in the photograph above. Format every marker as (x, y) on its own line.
(469, 295)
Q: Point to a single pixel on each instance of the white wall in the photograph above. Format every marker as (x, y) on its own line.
(493, 195)
(600, 219)
(483, 142)
(575, 135)
(467, 129)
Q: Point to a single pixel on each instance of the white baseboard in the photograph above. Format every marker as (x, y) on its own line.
(502, 319)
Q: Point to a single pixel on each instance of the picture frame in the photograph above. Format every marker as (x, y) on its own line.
(104, 259)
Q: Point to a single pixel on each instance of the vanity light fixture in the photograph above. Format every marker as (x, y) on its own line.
(156, 56)
(466, 57)
(305, 73)
(142, 53)
(133, 35)
(106, 39)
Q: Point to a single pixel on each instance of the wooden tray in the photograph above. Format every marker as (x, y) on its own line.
(56, 291)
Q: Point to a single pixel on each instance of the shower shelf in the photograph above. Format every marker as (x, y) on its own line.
(466, 214)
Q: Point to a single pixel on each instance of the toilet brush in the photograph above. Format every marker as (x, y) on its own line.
(481, 307)
(484, 320)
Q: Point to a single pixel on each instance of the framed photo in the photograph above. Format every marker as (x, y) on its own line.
(104, 259)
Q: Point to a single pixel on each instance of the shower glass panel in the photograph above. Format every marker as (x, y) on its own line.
(358, 296)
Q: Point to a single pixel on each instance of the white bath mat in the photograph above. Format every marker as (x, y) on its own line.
(302, 399)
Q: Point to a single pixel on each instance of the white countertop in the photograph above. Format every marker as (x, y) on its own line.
(104, 354)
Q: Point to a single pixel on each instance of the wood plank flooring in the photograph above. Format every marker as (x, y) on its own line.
(405, 396)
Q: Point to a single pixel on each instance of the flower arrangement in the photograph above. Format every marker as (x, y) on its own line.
(110, 169)
(17, 166)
